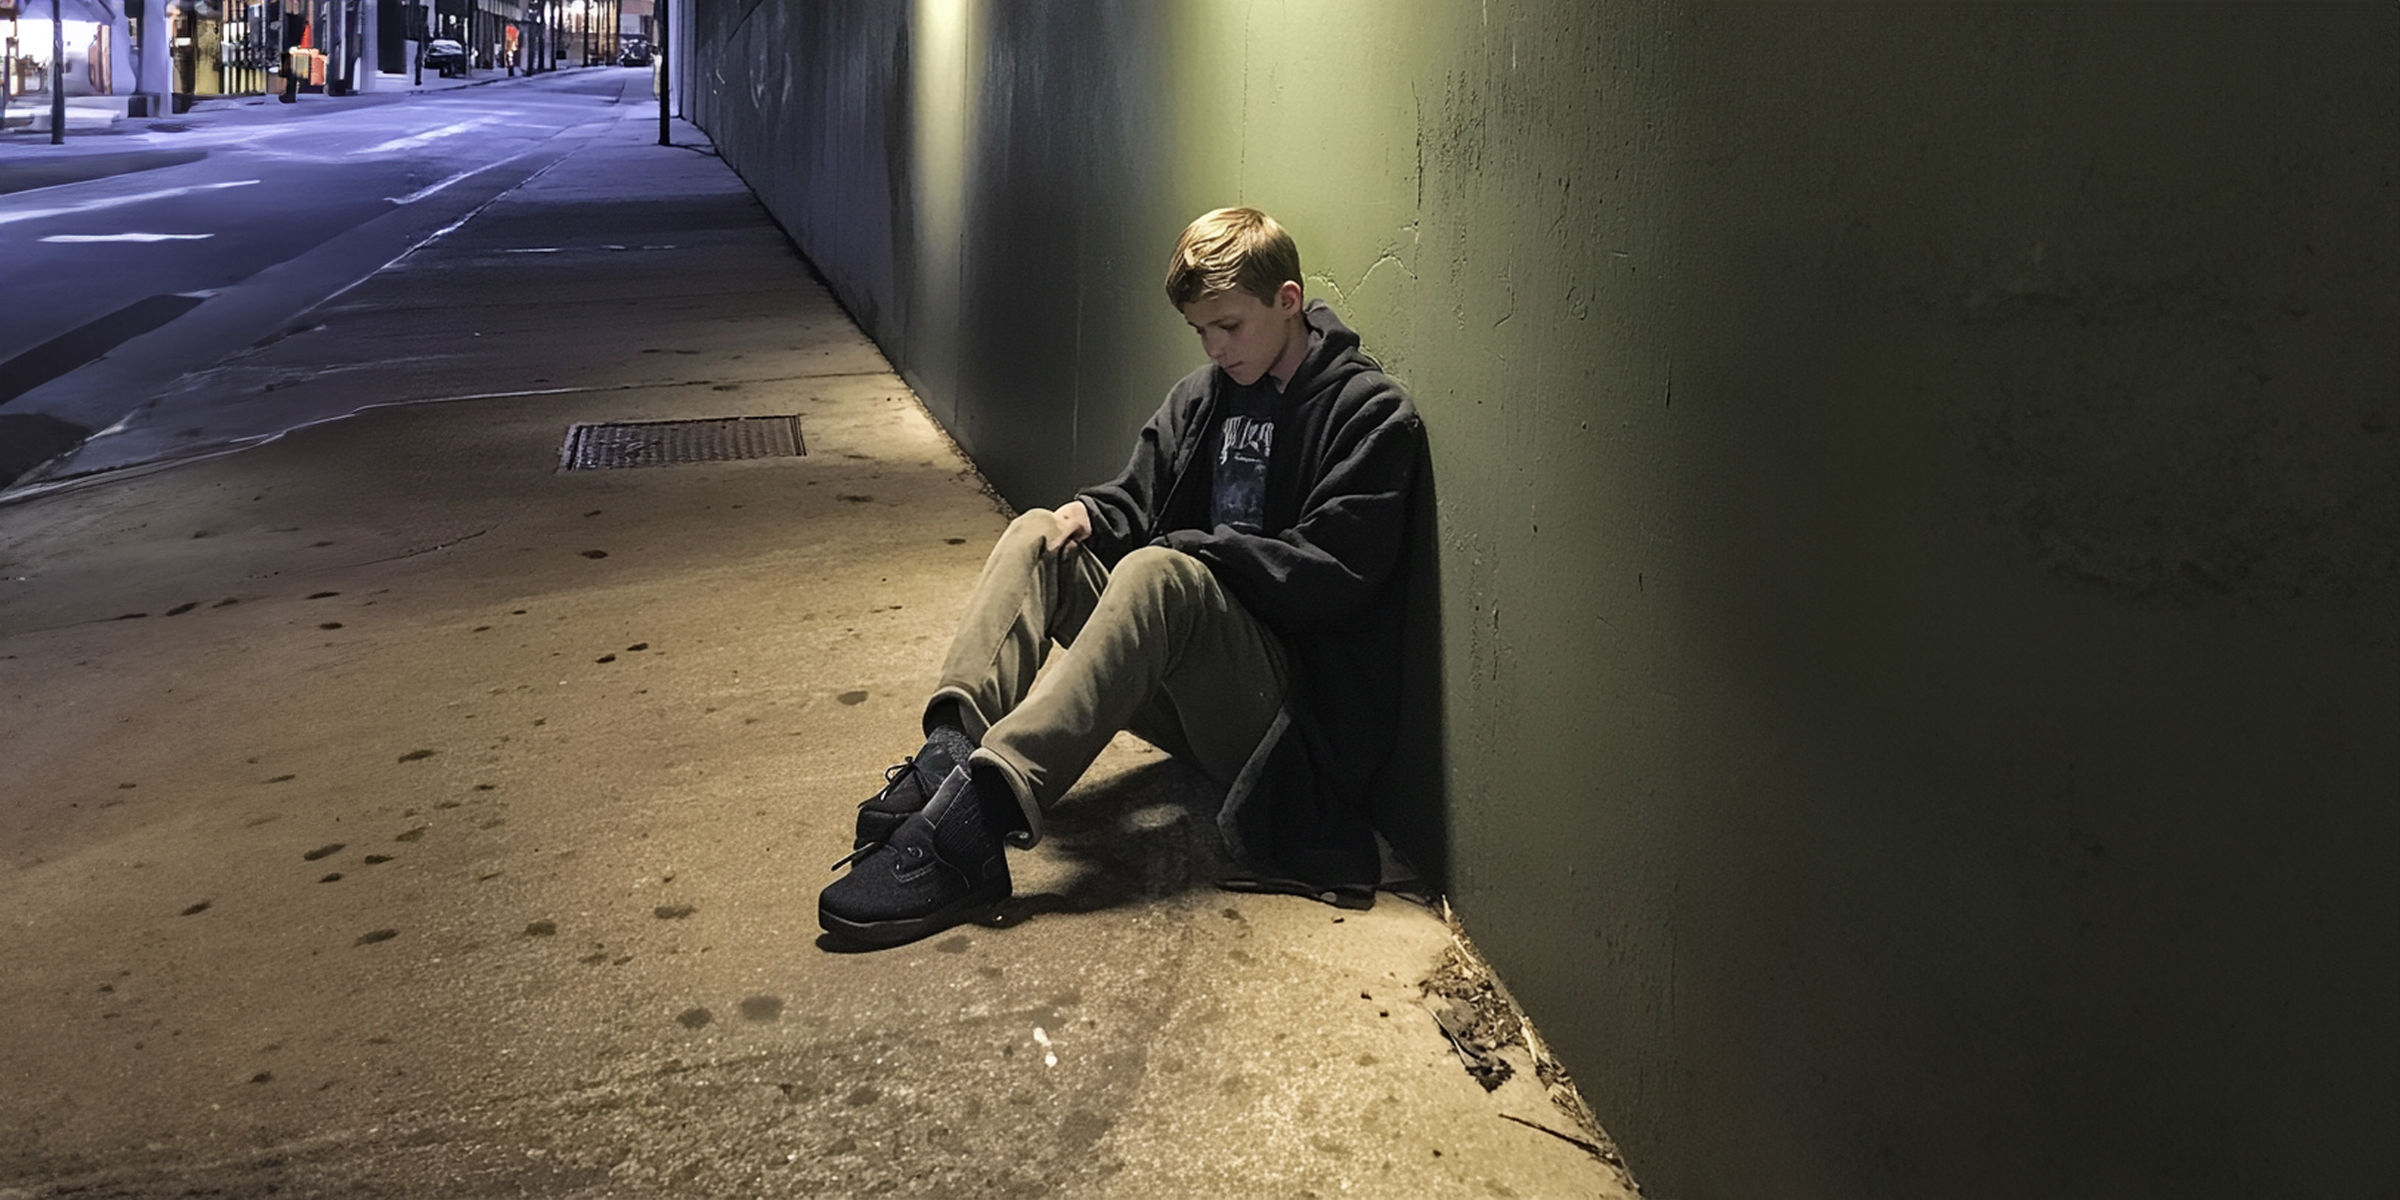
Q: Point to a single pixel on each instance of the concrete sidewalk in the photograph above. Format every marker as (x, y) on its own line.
(391, 813)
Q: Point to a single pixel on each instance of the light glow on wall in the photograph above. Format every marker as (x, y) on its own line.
(944, 65)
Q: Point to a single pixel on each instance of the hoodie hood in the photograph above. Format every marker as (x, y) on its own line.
(1331, 362)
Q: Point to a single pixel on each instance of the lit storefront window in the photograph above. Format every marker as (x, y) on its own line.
(25, 45)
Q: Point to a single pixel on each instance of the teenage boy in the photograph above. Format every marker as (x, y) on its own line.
(1234, 598)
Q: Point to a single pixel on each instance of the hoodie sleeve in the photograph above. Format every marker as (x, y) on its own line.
(1349, 536)
(1126, 511)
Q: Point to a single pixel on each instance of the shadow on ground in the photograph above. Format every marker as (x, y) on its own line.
(1134, 837)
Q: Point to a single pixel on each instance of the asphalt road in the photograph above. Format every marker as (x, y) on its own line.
(132, 259)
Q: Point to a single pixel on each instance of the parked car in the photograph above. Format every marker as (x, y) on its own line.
(446, 55)
(634, 54)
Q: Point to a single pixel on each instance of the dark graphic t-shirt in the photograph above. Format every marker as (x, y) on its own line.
(1245, 439)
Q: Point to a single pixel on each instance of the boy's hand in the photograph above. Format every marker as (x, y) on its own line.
(1077, 520)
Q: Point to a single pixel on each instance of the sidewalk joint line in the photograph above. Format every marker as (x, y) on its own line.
(431, 188)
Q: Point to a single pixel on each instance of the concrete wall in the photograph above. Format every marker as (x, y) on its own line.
(1912, 669)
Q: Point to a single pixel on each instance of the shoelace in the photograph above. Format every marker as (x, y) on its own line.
(891, 779)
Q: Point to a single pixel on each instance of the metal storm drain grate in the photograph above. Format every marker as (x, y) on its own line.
(667, 443)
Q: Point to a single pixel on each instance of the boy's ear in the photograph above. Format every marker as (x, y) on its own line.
(1289, 298)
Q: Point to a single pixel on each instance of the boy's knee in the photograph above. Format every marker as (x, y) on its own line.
(1158, 568)
(1037, 529)
(1034, 521)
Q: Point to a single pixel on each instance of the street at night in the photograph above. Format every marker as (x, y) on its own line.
(1474, 598)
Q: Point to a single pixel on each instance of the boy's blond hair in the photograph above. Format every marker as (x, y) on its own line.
(1232, 249)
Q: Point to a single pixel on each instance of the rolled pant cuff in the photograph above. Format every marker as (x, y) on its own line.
(1019, 786)
(977, 723)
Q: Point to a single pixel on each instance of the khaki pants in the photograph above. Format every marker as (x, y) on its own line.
(1157, 646)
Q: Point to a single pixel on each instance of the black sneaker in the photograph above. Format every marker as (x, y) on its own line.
(943, 865)
(907, 787)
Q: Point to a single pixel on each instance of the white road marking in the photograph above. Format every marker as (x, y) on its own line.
(239, 135)
(128, 237)
(430, 135)
(36, 214)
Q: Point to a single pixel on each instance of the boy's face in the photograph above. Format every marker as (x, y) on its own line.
(1249, 337)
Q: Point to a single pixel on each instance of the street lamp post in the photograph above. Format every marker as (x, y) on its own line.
(58, 72)
(338, 39)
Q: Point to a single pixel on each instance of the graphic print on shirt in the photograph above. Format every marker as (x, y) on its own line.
(1240, 494)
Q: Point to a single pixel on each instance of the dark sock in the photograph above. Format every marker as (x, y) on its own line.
(1000, 812)
(947, 714)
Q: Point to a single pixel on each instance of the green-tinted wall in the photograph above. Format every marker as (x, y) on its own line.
(1910, 677)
